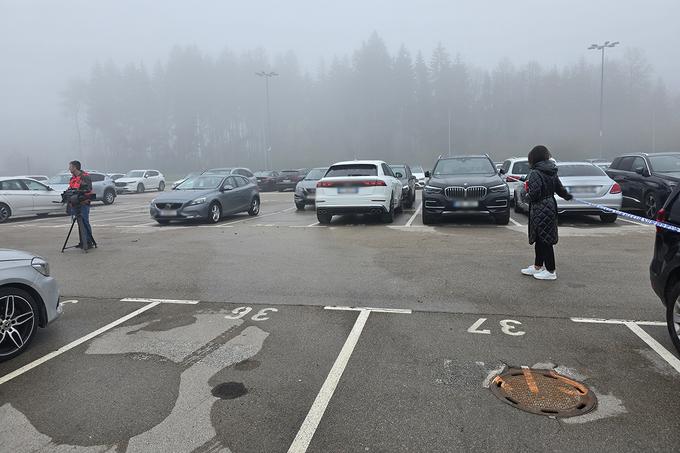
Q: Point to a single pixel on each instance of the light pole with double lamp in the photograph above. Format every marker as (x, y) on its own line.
(601, 48)
(268, 157)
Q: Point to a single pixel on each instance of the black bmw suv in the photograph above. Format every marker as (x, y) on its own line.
(646, 180)
(664, 271)
(465, 184)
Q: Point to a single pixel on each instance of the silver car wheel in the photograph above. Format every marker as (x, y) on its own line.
(255, 206)
(17, 321)
(4, 213)
(215, 213)
(109, 197)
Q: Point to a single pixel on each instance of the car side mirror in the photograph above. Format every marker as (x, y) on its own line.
(641, 171)
(427, 174)
(49, 189)
(227, 188)
(501, 172)
(398, 175)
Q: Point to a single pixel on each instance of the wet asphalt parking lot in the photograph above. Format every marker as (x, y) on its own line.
(274, 333)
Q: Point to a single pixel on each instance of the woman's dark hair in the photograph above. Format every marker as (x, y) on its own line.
(537, 154)
(76, 164)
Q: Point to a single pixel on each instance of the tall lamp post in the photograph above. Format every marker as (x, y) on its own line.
(267, 76)
(601, 48)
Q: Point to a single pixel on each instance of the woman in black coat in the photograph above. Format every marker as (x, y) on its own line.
(542, 185)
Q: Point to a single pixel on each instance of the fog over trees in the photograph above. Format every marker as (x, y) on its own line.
(196, 110)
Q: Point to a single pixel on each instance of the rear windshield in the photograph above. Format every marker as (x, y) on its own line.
(665, 164)
(264, 173)
(520, 168)
(315, 175)
(398, 168)
(290, 172)
(60, 179)
(135, 174)
(580, 170)
(464, 166)
(352, 170)
(417, 169)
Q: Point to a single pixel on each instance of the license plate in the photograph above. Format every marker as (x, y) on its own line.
(582, 190)
(168, 212)
(311, 196)
(466, 204)
(286, 180)
(348, 190)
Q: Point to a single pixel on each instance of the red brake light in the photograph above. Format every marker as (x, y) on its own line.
(373, 183)
(364, 182)
(512, 178)
(661, 216)
(324, 184)
(616, 188)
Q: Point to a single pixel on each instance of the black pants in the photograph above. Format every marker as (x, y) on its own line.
(545, 255)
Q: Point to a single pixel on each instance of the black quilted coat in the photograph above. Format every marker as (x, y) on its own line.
(543, 184)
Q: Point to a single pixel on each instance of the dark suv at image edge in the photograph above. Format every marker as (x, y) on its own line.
(664, 271)
(465, 184)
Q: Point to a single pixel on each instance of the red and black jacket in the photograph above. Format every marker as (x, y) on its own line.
(82, 183)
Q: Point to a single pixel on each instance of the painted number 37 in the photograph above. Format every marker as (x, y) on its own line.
(508, 327)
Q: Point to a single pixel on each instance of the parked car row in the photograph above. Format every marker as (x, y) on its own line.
(139, 181)
(269, 181)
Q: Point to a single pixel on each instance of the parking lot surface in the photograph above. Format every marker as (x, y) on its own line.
(274, 333)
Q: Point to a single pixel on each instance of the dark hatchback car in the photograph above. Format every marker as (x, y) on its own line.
(207, 197)
(305, 191)
(664, 270)
(646, 180)
(465, 184)
(266, 180)
(409, 183)
(288, 179)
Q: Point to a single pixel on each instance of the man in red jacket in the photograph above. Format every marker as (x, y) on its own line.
(81, 181)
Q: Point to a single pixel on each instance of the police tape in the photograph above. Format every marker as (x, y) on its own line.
(635, 218)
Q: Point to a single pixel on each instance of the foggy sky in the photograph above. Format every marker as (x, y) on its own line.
(43, 43)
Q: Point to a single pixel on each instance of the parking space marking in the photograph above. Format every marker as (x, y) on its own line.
(313, 224)
(413, 217)
(250, 218)
(515, 222)
(73, 344)
(655, 345)
(311, 422)
(617, 321)
(160, 301)
(635, 223)
(377, 310)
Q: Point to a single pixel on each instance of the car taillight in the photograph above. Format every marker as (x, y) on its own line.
(324, 184)
(616, 188)
(372, 183)
(365, 183)
(512, 178)
(661, 216)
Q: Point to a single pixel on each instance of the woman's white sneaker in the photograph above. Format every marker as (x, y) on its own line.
(531, 270)
(546, 275)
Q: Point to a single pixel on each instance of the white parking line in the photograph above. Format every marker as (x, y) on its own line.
(652, 343)
(617, 321)
(73, 344)
(413, 217)
(313, 224)
(515, 222)
(250, 218)
(635, 223)
(161, 301)
(311, 423)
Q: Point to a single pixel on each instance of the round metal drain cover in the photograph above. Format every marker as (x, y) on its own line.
(543, 392)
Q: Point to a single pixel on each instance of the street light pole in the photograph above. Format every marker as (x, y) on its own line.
(267, 76)
(602, 48)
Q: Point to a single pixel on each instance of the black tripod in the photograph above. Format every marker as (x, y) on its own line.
(85, 243)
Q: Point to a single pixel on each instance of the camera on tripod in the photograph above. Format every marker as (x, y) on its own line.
(74, 197)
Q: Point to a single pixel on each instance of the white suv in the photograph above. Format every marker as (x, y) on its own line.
(358, 187)
(141, 180)
(514, 169)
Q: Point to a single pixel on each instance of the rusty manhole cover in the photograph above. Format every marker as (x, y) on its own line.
(543, 392)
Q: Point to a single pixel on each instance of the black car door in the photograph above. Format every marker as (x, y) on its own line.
(620, 171)
(638, 181)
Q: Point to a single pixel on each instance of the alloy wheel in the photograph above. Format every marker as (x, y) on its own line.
(651, 206)
(215, 213)
(676, 318)
(255, 206)
(4, 213)
(17, 321)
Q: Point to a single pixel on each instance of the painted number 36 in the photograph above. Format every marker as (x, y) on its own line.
(240, 312)
(508, 327)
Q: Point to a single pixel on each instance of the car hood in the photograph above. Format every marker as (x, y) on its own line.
(15, 255)
(470, 180)
(129, 180)
(182, 195)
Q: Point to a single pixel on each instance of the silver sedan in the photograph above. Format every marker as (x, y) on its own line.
(586, 182)
(29, 298)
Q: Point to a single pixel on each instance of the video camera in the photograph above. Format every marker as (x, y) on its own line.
(74, 197)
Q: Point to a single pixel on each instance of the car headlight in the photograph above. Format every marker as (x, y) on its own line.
(433, 190)
(499, 188)
(299, 189)
(197, 201)
(41, 266)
